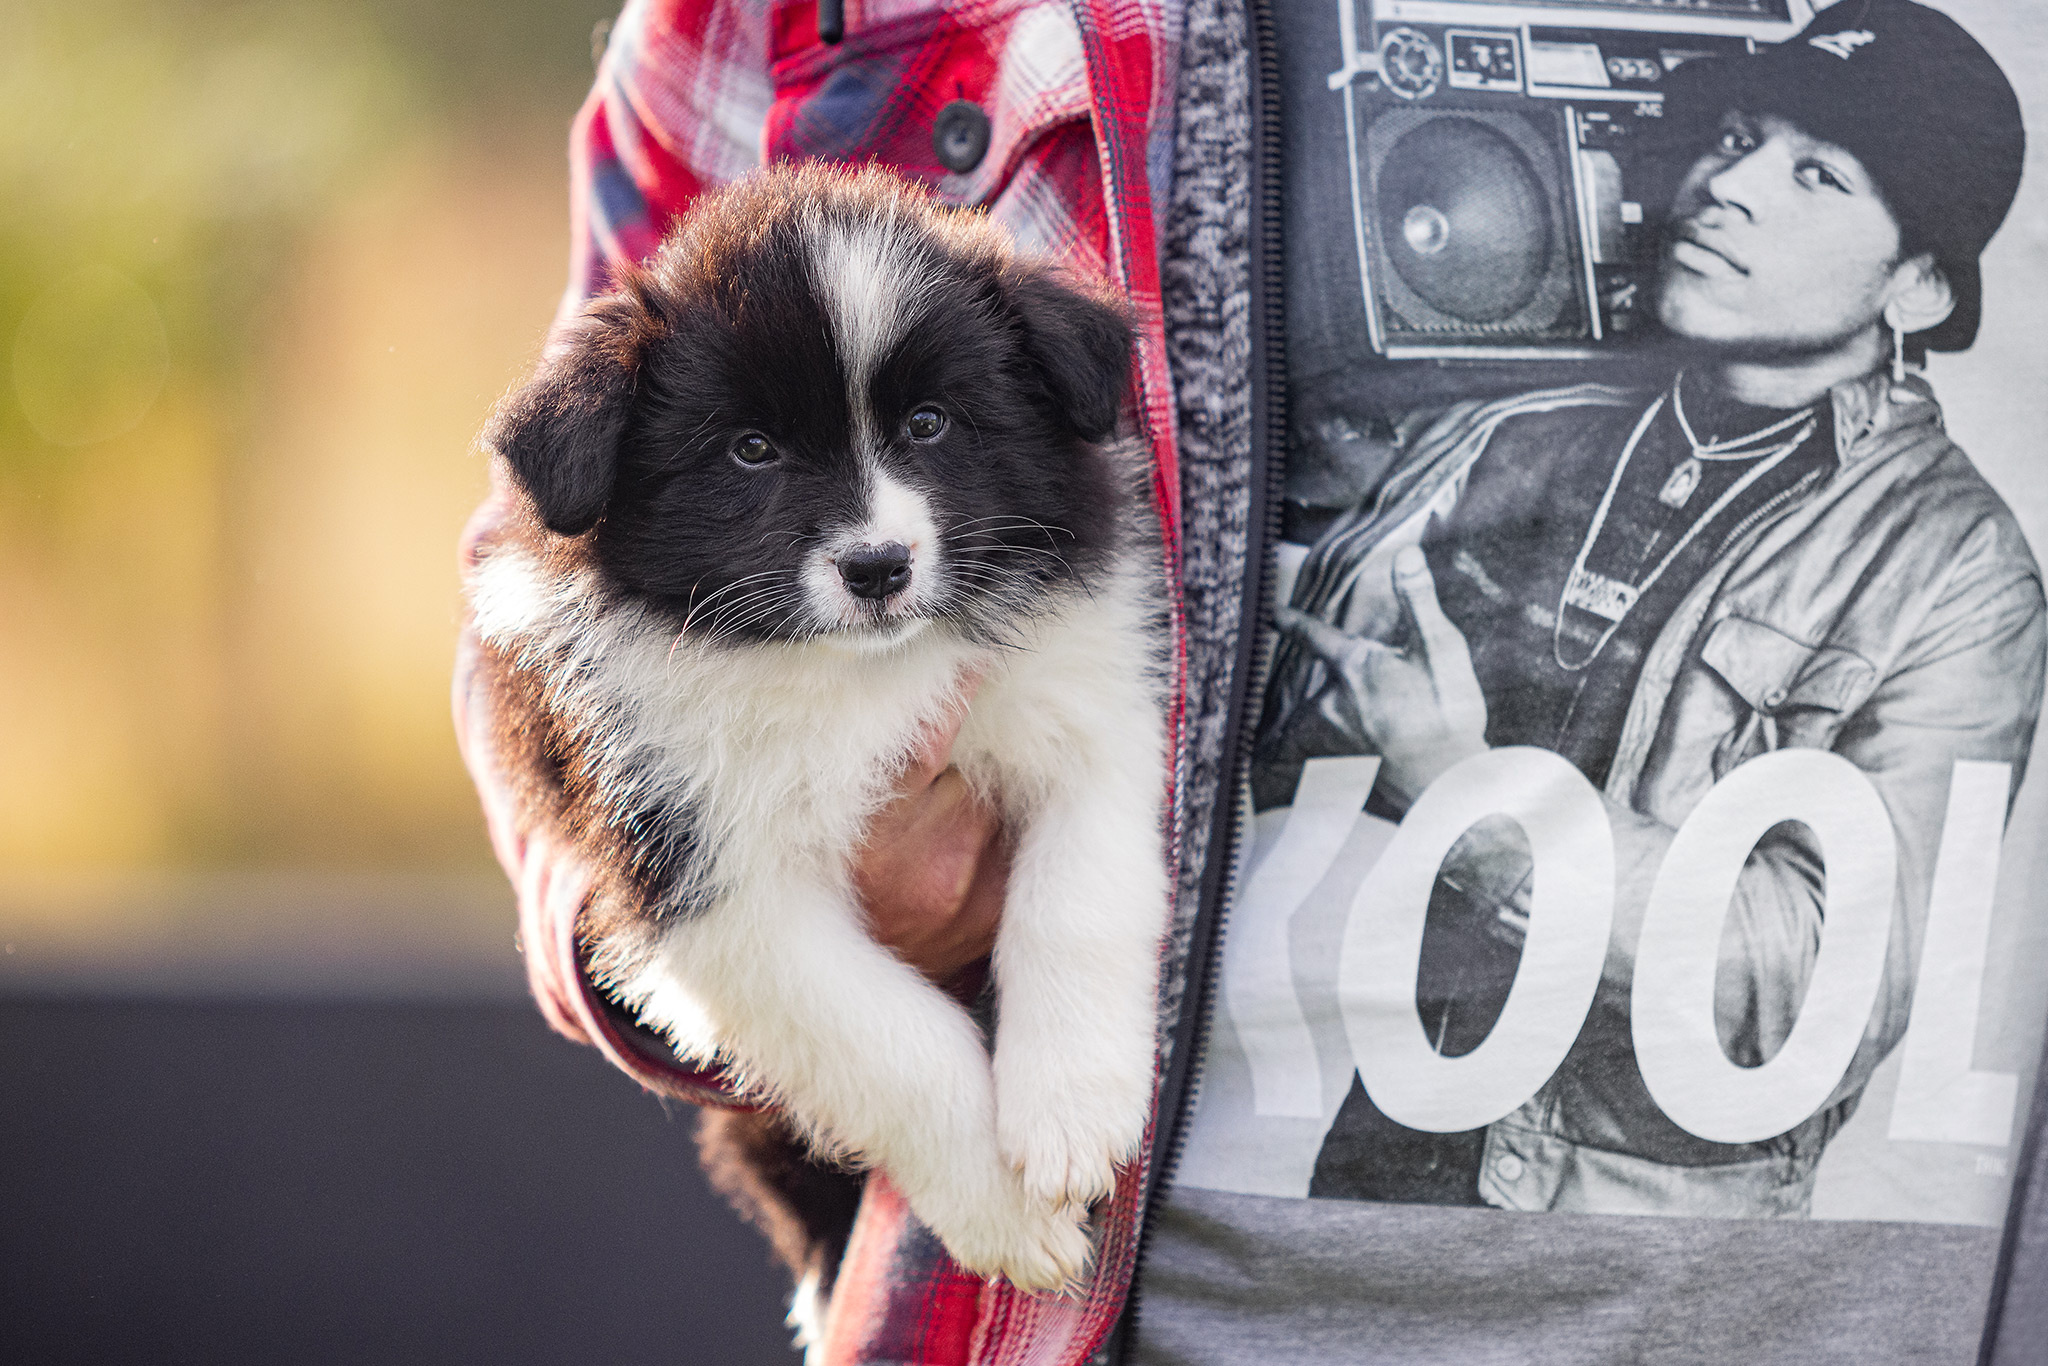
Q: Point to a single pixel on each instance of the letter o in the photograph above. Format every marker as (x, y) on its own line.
(1672, 999)
(1571, 916)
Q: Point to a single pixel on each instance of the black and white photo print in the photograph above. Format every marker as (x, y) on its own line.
(1659, 644)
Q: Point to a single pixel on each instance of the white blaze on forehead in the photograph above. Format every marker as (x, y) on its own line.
(873, 289)
(898, 512)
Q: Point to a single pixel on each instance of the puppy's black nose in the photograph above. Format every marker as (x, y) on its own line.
(876, 571)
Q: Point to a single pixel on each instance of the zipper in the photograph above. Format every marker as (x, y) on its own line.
(1254, 645)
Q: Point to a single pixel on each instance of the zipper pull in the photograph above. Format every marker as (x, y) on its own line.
(831, 21)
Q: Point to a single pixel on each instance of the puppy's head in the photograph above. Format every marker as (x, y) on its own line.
(828, 407)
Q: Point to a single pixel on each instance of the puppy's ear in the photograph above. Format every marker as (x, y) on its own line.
(561, 432)
(1078, 344)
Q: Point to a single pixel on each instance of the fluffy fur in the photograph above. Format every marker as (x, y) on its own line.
(834, 452)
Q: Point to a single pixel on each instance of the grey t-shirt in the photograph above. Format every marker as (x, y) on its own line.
(1379, 1164)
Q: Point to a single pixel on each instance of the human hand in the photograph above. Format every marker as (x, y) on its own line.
(936, 862)
(1421, 708)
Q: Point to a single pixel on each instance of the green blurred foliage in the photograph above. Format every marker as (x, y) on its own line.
(163, 167)
(181, 144)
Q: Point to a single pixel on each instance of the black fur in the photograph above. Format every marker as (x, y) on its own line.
(803, 1204)
(1081, 351)
(561, 433)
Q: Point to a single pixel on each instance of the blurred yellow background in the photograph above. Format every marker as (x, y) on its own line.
(263, 270)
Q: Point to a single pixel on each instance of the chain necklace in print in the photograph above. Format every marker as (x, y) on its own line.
(1613, 599)
(1678, 489)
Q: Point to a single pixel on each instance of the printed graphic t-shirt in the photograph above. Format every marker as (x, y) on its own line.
(1435, 1119)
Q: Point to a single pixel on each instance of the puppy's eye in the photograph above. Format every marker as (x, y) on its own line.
(925, 424)
(752, 448)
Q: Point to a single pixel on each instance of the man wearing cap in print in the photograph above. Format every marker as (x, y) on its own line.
(1779, 549)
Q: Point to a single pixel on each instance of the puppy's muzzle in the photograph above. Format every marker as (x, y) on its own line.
(876, 572)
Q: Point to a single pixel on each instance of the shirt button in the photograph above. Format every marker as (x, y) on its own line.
(1508, 1167)
(1775, 697)
(960, 136)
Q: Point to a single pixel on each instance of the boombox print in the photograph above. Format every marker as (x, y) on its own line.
(1503, 198)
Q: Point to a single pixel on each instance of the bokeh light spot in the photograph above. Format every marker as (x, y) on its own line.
(90, 357)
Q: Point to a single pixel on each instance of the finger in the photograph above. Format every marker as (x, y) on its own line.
(1442, 644)
(1336, 647)
(932, 753)
(981, 910)
(930, 876)
(484, 527)
(1412, 580)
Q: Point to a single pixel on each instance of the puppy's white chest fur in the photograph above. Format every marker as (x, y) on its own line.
(779, 754)
(789, 748)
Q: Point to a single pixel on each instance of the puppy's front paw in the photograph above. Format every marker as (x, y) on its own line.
(1046, 1251)
(1066, 1134)
(1006, 1233)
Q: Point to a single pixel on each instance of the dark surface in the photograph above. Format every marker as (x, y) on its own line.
(363, 1183)
(2018, 1332)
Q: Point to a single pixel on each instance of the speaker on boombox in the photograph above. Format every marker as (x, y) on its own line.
(1473, 232)
(1502, 209)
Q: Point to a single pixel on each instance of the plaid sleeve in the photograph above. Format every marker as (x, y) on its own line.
(681, 96)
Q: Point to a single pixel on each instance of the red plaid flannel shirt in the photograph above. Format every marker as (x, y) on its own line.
(693, 93)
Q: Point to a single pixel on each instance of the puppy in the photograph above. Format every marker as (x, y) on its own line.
(833, 456)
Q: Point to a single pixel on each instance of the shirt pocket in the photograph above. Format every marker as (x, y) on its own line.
(1790, 694)
(877, 96)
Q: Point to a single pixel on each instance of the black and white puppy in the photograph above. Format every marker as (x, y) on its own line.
(832, 454)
